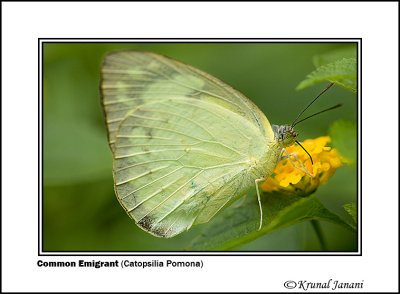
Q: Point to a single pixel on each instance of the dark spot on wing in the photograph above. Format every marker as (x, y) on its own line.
(195, 94)
(148, 224)
(129, 202)
(134, 200)
(149, 133)
(124, 163)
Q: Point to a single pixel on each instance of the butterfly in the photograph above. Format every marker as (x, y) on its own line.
(185, 144)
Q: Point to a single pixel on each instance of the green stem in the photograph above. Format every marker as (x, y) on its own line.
(318, 230)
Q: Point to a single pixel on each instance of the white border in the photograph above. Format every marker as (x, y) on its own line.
(375, 22)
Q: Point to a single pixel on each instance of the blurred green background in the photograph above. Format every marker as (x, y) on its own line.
(80, 209)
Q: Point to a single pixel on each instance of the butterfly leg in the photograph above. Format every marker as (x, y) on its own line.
(302, 168)
(259, 201)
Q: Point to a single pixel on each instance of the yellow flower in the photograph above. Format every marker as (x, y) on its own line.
(286, 178)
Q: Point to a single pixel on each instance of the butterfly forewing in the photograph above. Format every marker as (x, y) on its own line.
(131, 78)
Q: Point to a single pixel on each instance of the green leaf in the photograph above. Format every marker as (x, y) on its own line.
(344, 138)
(351, 209)
(238, 226)
(342, 72)
(334, 55)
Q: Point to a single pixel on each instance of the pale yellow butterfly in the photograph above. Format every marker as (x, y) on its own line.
(185, 144)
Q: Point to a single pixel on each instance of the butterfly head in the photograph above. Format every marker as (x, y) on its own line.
(285, 135)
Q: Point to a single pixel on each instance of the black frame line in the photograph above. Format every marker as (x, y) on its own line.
(144, 254)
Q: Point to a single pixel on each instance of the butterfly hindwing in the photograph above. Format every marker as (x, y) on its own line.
(171, 168)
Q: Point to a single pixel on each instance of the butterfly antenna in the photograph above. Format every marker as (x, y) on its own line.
(330, 108)
(323, 91)
(305, 151)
